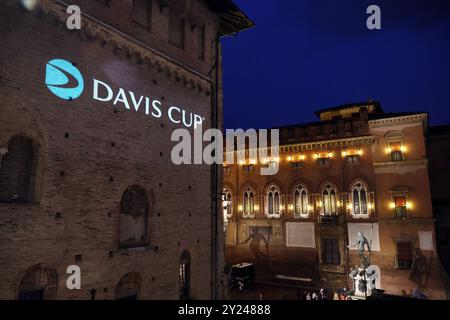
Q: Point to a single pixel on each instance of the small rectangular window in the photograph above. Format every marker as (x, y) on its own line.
(176, 28)
(396, 151)
(141, 14)
(248, 168)
(104, 2)
(330, 251)
(323, 162)
(296, 164)
(353, 158)
(226, 169)
(404, 255)
(400, 206)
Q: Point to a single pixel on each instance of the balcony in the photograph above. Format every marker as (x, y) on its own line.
(330, 219)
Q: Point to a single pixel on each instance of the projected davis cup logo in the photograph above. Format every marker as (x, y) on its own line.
(64, 79)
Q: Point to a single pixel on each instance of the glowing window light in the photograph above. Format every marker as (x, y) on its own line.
(240, 208)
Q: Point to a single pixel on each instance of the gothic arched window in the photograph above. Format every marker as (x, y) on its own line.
(300, 201)
(273, 202)
(329, 199)
(249, 202)
(360, 200)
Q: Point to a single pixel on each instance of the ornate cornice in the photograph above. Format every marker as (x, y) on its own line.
(395, 120)
(128, 47)
(321, 145)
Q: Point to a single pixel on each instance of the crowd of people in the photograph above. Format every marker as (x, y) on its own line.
(325, 294)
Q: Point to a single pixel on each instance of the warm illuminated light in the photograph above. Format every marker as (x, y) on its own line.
(264, 161)
(256, 207)
(409, 205)
(339, 203)
(302, 157)
(392, 205)
(241, 162)
(330, 154)
(387, 150)
(315, 156)
(291, 207)
(360, 152)
(289, 158)
(310, 208)
(403, 149)
(319, 203)
(253, 162)
(277, 159)
(369, 206)
(239, 208)
(344, 153)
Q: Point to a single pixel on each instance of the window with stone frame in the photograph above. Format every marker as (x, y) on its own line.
(134, 209)
(19, 170)
(330, 252)
(142, 13)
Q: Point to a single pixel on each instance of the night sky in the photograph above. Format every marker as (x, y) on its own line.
(305, 55)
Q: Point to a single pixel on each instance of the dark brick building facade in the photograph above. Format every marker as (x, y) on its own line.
(91, 182)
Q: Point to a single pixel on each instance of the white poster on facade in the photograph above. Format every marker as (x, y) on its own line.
(426, 240)
(300, 234)
(369, 230)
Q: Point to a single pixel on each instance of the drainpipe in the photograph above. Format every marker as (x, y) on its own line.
(214, 175)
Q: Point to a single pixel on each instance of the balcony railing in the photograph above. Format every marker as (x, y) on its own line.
(331, 219)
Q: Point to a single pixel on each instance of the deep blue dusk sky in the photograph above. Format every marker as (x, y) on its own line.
(305, 55)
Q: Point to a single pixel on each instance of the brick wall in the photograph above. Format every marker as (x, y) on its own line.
(91, 152)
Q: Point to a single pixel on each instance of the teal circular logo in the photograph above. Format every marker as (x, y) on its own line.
(64, 79)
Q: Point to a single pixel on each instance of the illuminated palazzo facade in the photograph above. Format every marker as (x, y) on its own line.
(88, 180)
(357, 169)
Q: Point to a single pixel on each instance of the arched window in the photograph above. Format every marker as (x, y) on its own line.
(329, 199)
(273, 202)
(129, 287)
(38, 283)
(134, 209)
(185, 275)
(300, 201)
(18, 171)
(249, 202)
(359, 196)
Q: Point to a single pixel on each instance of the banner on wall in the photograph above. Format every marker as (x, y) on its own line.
(369, 230)
(300, 234)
